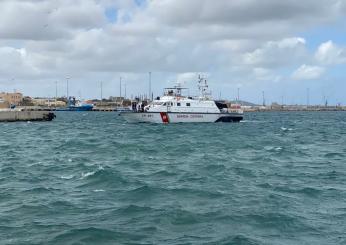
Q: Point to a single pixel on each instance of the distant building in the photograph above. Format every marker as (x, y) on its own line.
(47, 102)
(3, 104)
(11, 98)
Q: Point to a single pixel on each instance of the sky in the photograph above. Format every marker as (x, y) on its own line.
(288, 50)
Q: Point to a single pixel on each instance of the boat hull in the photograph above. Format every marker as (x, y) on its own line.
(174, 117)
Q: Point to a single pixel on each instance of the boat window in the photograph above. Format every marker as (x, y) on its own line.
(188, 104)
(178, 104)
(164, 103)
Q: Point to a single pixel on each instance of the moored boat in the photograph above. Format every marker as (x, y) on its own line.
(74, 105)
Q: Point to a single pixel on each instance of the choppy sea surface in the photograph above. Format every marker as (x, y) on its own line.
(91, 178)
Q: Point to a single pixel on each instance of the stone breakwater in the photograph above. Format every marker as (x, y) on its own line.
(14, 116)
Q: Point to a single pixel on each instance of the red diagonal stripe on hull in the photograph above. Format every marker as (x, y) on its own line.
(164, 117)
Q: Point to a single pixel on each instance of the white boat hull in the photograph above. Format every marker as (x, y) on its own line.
(174, 117)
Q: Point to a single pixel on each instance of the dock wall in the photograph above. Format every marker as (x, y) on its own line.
(13, 116)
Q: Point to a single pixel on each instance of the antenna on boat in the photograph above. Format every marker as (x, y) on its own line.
(203, 87)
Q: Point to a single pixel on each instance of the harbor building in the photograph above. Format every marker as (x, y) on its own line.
(47, 102)
(11, 98)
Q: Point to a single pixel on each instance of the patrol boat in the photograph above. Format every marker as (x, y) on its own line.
(173, 107)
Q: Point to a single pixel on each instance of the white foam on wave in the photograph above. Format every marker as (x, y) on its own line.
(286, 129)
(67, 176)
(271, 148)
(268, 148)
(252, 121)
(87, 174)
(98, 190)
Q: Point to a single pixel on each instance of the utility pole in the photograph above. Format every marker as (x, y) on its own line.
(101, 85)
(67, 95)
(238, 95)
(56, 90)
(264, 101)
(307, 97)
(150, 85)
(120, 86)
(125, 91)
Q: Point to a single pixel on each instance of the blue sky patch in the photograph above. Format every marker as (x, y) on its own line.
(111, 14)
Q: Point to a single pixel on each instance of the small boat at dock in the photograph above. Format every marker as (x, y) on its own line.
(74, 105)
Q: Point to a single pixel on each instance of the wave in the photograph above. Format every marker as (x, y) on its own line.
(103, 178)
(67, 177)
(87, 174)
(236, 239)
(309, 191)
(93, 235)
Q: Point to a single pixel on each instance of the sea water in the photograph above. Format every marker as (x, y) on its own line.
(92, 178)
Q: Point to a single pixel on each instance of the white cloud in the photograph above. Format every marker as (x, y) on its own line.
(263, 74)
(328, 53)
(306, 72)
(277, 53)
(48, 20)
(236, 41)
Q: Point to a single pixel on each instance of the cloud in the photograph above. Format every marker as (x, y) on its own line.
(263, 74)
(306, 72)
(198, 12)
(48, 20)
(328, 53)
(277, 53)
(236, 41)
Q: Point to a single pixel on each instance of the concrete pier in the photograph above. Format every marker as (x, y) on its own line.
(16, 115)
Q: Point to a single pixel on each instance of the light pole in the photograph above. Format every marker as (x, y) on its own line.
(56, 90)
(67, 79)
(150, 97)
(101, 87)
(120, 86)
(307, 97)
